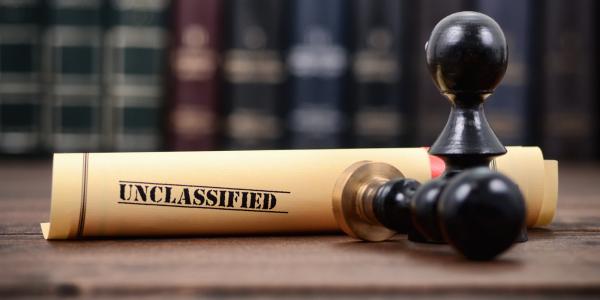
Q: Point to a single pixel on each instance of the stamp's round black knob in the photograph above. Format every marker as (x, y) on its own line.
(392, 202)
(424, 210)
(481, 213)
(467, 54)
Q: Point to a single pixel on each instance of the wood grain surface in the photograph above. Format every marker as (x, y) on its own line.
(561, 261)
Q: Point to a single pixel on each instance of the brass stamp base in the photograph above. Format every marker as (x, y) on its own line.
(353, 197)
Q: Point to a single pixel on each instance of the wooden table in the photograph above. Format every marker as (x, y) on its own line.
(561, 260)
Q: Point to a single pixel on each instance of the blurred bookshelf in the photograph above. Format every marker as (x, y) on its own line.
(159, 75)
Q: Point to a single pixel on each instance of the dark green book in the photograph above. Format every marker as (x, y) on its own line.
(72, 74)
(135, 48)
(19, 76)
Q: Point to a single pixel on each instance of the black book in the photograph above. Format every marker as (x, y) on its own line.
(254, 72)
(568, 100)
(379, 108)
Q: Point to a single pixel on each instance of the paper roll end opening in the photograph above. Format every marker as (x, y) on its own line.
(550, 200)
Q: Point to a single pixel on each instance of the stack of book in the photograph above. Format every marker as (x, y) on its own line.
(127, 75)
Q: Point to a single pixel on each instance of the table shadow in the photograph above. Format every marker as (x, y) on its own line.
(437, 253)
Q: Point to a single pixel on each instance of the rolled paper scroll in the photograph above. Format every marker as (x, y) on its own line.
(235, 192)
(537, 178)
(205, 193)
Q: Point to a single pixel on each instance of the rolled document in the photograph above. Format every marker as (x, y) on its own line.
(205, 193)
(537, 178)
(238, 192)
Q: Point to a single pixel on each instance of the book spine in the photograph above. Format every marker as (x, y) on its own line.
(134, 51)
(318, 63)
(19, 72)
(430, 108)
(379, 108)
(193, 87)
(72, 75)
(254, 73)
(568, 98)
(507, 108)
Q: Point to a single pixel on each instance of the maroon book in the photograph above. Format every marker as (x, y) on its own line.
(193, 88)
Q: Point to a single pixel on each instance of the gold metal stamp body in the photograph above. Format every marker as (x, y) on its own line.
(353, 197)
